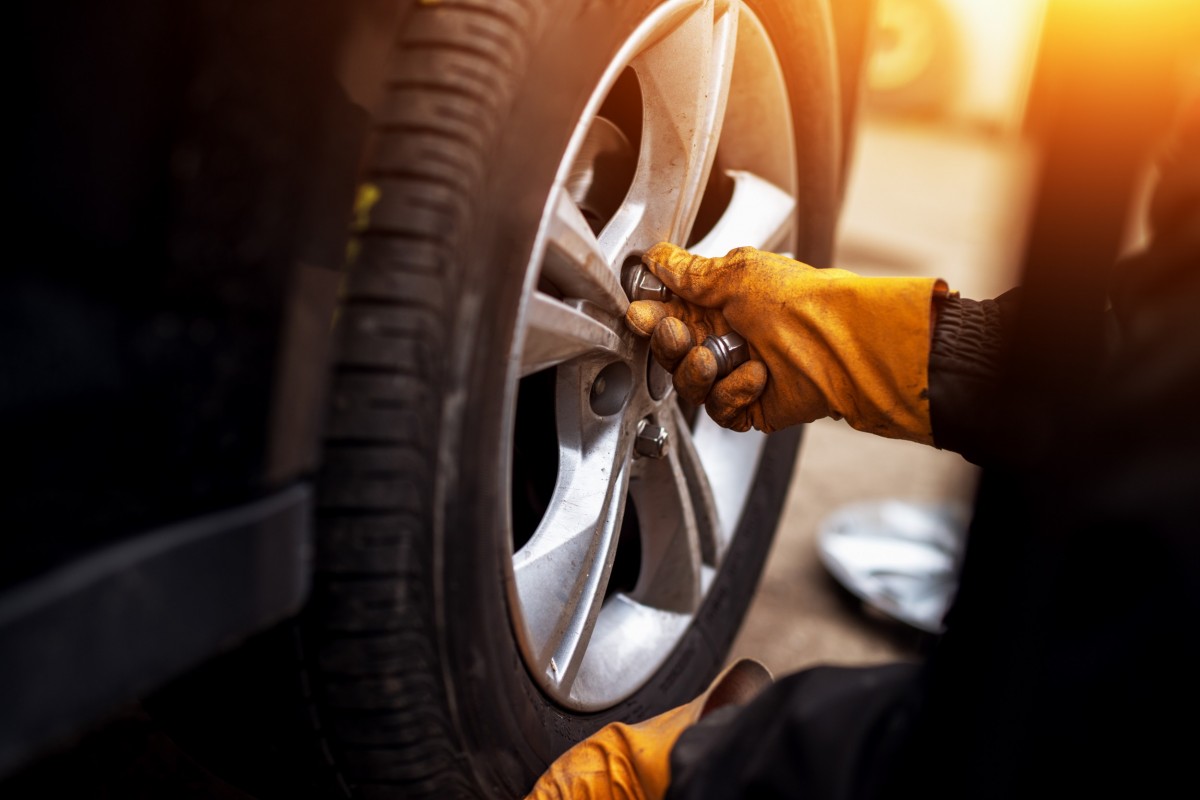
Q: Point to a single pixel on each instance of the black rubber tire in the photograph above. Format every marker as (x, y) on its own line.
(416, 676)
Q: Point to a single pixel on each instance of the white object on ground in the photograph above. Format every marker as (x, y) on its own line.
(901, 558)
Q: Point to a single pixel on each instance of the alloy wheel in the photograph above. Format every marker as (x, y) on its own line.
(624, 501)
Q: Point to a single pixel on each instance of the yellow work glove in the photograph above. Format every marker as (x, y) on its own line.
(822, 342)
(632, 762)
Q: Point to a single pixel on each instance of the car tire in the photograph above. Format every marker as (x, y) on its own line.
(412, 675)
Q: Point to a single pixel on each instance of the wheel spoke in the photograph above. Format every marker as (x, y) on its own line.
(613, 651)
(574, 262)
(557, 332)
(709, 531)
(562, 572)
(760, 215)
(730, 460)
(684, 78)
(668, 519)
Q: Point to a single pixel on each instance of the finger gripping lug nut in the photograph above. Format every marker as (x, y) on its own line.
(641, 284)
(651, 440)
(730, 351)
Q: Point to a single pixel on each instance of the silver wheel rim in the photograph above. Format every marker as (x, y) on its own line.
(712, 91)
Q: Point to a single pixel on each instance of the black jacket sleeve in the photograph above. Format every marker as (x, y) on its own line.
(966, 360)
(826, 732)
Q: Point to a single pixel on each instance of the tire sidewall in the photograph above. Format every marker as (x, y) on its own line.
(510, 730)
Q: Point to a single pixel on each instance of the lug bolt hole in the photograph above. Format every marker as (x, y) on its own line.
(611, 389)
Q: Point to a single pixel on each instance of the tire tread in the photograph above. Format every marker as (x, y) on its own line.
(371, 635)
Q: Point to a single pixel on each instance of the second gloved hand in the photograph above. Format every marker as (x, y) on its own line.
(632, 762)
(823, 342)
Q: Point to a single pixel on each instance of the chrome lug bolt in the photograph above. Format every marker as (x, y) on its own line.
(730, 350)
(640, 284)
(651, 440)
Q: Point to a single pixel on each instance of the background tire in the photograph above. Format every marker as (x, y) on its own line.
(916, 61)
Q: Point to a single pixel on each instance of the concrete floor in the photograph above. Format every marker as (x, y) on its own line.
(922, 201)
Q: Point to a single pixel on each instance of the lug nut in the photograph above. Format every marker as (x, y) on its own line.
(641, 284)
(729, 350)
(651, 440)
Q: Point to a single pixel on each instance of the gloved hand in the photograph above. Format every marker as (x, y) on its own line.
(823, 342)
(632, 762)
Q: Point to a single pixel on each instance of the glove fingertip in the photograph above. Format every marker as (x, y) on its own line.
(675, 266)
(643, 316)
(745, 384)
(694, 377)
(731, 399)
(670, 342)
(663, 254)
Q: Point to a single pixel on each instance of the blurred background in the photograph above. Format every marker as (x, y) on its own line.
(940, 184)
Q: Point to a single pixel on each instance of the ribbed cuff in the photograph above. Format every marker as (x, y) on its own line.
(965, 363)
